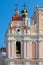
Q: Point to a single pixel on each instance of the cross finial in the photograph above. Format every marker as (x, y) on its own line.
(37, 5)
(16, 10)
(24, 5)
(16, 6)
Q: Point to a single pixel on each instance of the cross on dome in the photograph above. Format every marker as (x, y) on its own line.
(24, 5)
(16, 6)
(24, 11)
(16, 17)
(37, 5)
(16, 10)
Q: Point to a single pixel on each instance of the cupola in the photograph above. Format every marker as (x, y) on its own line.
(24, 12)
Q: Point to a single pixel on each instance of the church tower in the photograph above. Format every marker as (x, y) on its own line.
(16, 40)
(23, 41)
(25, 16)
(38, 25)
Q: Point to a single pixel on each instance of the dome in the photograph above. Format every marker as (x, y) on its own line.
(24, 12)
(17, 18)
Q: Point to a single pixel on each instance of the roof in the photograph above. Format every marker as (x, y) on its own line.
(37, 9)
(17, 18)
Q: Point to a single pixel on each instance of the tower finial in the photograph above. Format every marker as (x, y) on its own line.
(36, 5)
(24, 5)
(16, 6)
(16, 10)
(24, 11)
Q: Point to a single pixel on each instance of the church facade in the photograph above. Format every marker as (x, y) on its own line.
(25, 41)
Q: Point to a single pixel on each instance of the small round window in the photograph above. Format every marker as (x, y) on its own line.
(18, 30)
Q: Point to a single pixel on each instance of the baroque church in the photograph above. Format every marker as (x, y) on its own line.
(25, 41)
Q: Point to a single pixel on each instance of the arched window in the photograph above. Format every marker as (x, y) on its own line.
(18, 47)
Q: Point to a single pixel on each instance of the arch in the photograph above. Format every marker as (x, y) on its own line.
(18, 47)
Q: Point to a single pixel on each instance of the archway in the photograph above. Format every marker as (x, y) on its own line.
(18, 47)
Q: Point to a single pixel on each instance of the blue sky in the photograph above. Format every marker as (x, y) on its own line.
(7, 8)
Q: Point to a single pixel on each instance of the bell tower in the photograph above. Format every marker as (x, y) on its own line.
(15, 46)
(17, 39)
(25, 16)
(38, 25)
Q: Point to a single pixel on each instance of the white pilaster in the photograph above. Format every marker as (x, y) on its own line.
(9, 49)
(41, 50)
(13, 49)
(24, 49)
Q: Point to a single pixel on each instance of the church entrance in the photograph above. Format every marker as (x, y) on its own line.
(18, 48)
